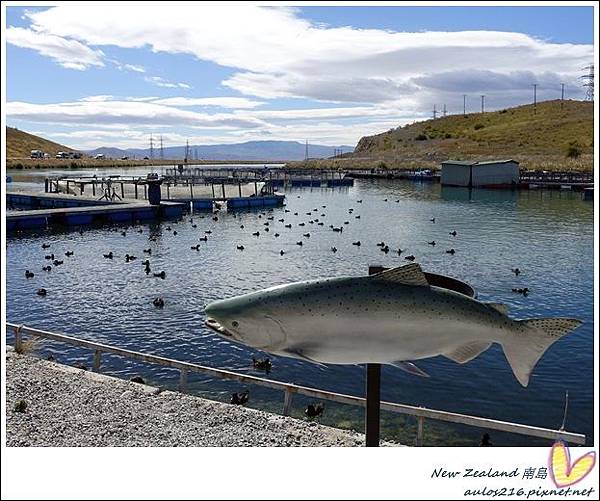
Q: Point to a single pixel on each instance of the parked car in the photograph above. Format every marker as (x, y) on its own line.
(37, 154)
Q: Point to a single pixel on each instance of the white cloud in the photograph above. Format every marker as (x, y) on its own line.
(134, 67)
(276, 53)
(68, 53)
(127, 113)
(99, 98)
(222, 102)
(161, 82)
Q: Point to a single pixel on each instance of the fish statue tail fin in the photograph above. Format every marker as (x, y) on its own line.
(523, 349)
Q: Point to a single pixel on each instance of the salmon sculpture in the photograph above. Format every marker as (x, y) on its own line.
(392, 317)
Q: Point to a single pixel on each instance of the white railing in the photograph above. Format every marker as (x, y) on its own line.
(289, 389)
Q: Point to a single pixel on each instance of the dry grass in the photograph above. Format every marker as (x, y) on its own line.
(539, 139)
(20, 143)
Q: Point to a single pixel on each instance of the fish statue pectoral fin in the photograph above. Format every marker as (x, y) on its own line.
(409, 367)
(500, 307)
(299, 354)
(524, 348)
(467, 352)
(410, 274)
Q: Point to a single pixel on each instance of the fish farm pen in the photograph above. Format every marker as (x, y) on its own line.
(276, 177)
(289, 389)
(201, 192)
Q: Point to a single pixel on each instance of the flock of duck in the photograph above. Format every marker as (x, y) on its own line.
(315, 218)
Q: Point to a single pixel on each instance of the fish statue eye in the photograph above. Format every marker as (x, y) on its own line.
(234, 323)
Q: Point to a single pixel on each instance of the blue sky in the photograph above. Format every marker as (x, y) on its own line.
(111, 75)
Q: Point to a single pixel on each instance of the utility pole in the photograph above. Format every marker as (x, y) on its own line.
(464, 105)
(562, 95)
(162, 155)
(588, 82)
(151, 147)
(306, 150)
(434, 112)
(482, 103)
(535, 98)
(444, 112)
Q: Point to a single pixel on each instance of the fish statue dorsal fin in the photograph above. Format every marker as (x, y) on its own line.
(410, 274)
(501, 307)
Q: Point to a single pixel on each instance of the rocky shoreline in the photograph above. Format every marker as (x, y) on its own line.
(49, 404)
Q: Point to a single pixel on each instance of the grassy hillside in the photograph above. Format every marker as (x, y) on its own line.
(553, 138)
(19, 144)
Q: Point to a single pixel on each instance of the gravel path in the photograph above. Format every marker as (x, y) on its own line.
(71, 407)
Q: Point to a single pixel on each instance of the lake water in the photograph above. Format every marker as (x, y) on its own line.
(548, 235)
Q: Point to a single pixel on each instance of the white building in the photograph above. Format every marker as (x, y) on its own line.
(492, 174)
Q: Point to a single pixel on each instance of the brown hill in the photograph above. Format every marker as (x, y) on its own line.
(19, 144)
(549, 136)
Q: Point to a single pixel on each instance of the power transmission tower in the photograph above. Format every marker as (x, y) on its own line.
(151, 147)
(434, 112)
(162, 154)
(535, 98)
(588, 82)
(306, 150)
(187, 151)
(444, 112)
(482, 103)
(464, 105)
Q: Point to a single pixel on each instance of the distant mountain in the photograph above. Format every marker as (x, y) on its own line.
(19, 144)
(251, 150)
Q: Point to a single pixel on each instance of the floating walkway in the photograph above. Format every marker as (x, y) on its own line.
(46, 210)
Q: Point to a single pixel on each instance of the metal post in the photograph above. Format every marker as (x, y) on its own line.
(240, 189)
(373, 393)
(287, 402)
(182, 380)
(420, 421)
(46, 185)
(373, 396)
(81, 188)
(223, 188)
(122, 191)
(18, 339)
(136, 190)
(97, 360)
(145, 192)
(192, 189)
(94, 188)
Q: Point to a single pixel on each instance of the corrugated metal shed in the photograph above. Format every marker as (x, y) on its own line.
(488, 174)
